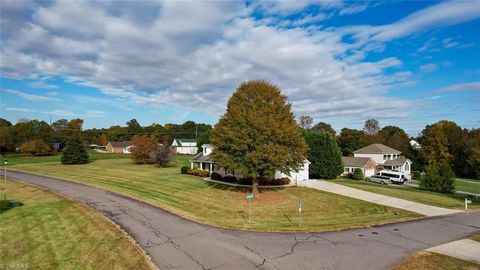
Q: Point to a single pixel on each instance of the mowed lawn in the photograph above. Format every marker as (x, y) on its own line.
(456, 201)
(53, 232)
(14, 159)
(193, 198)
(467, 185)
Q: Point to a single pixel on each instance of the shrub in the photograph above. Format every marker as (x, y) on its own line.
(198, 172)
(35, 148)
(438, 178)
(184, 170)
(216, 176)
(275, 182)
(358, 174)
(417, 175)
(74, 153)
(229, 179)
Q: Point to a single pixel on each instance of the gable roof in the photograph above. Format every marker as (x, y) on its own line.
(355, 161)
(180, 142)
(121, 144)
(202, 158)
(399, 161)
(376, 148)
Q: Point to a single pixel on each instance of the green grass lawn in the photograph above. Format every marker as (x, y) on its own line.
(14, 159)
(467, 185)
(413, 194)
(193, 198)
(53, 232)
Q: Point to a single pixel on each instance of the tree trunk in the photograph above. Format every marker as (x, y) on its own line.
(255, 186)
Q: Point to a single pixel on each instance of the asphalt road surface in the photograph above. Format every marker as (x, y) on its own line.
(174, 242)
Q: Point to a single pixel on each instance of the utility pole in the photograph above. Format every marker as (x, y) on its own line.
(196, 131)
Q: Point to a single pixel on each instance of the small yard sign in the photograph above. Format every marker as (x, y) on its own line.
(250, 196)
(299, 205)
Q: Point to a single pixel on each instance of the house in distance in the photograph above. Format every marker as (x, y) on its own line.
(119, 147)
(184, 146)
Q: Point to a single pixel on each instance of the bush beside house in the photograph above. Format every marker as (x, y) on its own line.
(36, 148)
(357, 174)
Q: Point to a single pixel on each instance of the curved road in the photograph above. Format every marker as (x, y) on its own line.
(174, 242)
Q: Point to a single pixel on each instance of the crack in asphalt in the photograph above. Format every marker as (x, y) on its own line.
(264, 260)
(292, 249)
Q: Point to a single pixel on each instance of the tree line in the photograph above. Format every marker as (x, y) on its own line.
(37, 137)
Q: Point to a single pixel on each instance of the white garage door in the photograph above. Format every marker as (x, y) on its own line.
(369, 172)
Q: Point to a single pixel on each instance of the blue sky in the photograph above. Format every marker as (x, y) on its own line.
(405, 63)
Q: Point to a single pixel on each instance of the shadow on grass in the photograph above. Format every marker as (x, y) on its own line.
(6, 205)
(227, 187)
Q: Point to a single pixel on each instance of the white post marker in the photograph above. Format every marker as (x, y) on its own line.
(467, 201)
(299, 206)
(250, 197)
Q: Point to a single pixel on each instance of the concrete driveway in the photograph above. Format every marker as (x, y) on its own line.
(423, 209)
(174, 242)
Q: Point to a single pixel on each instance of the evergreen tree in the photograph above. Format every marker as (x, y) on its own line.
(74, 152)
(324, 155)
(258, 134)
(438, 178)
(322, 126)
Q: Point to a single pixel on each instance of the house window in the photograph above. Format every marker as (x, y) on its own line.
(384, 157)
(407, 167)
(346, 169)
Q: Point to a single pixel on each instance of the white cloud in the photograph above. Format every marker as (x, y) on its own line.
(14, 109)
(428, 67)
(472, 86)
(452, 43)
(353, 9)
(62, 113)
(30, 97)
(42, 85)
(193, 55)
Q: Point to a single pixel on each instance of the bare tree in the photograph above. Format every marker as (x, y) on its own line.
(371, 126)
(162, 155)
(305, 121)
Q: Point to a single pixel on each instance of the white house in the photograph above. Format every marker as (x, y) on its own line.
(185, 146)
(415, 145)
(204, 162)
(386, 158)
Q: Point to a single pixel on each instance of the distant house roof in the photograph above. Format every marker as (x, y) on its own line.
(202, 158)
(180, 142)
(377, 148)
(355, 161)
(123, 144)
(399, 161)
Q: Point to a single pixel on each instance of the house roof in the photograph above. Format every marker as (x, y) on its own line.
(202, 158)
(121, 144)
(399, 161)
(355, 161)
(377, 148)
(180, 142)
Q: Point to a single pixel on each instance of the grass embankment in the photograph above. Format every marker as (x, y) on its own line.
(461, 184)
(433, 261)
(455, 201)
(189, 196)
(53, 232)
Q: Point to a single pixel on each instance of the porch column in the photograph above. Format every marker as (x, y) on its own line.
(210, 167)
(191, 165)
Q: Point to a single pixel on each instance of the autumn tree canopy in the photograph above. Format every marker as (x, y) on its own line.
(258, 134)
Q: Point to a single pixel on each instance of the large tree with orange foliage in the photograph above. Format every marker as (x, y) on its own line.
(142, 148)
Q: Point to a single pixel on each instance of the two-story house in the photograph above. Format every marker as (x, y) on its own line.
(384, 158)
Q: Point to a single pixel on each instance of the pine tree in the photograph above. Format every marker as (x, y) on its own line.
(258, 134)
(324, 155)
(74, 152)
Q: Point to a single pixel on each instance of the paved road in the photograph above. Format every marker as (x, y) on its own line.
(174, 242)
(420, 208)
